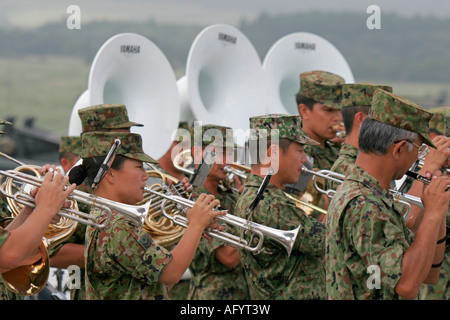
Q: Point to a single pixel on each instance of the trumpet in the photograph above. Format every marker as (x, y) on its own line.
(285, 237)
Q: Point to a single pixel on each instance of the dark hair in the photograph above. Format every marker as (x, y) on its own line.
(89, 168)
(348, 115)
(255, 146)
(309, 102)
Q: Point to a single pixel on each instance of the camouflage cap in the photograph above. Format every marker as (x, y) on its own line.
(70, 144)
(213, 135)
(360, 94)
(105, 116)
(279, 126)
(322, 86)
(4, 122)
(437, 122)
(98, 144)
(402, 113)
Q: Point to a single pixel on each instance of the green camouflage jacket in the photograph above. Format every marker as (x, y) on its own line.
(366, 233)
(347, 157)
(324, 158)
(211, 280)
(122, 262)
(271, 274)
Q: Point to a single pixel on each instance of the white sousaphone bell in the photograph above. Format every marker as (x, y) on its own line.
(130, 69)
(293, 54)
(224, 82)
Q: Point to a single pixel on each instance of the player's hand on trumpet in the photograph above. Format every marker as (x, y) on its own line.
(204, 212)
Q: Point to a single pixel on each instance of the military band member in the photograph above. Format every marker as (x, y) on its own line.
(122, 262)
(20, 239)
(102, 117)
(217, 273)
(370, 252)
(319, 104)
(440, 290)
(356, 102)
(272, 274)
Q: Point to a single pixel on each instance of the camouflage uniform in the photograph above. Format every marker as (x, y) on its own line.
(325, 88)
(364, 227)
(272, 274)
(212, 280)
(121, 261)
(440, 290)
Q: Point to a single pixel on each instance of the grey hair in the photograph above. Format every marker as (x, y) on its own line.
(376, 137)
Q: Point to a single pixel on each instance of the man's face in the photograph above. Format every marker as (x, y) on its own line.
(320, 121)
(291, 163)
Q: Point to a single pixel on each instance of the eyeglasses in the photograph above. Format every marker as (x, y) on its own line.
(422, 150)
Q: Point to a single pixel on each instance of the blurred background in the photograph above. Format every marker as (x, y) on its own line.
(44, 65)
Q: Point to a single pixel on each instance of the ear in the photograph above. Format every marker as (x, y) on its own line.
(64, 163)
(397, 149)
(303, 110)
(359, 118)
(109, 176)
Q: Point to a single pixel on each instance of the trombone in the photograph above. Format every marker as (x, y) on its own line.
(285, 237)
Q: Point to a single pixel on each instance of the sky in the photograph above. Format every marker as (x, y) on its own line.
(32, 13)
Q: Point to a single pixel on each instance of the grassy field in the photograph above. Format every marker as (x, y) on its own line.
(46, 88)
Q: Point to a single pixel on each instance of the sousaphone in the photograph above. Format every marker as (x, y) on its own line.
(284, 62)
(224, 82)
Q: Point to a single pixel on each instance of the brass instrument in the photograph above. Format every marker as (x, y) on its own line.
(285, 238)
(29, 280)
(400, 197)
(340, 133)
(162, 230)
(183, 161)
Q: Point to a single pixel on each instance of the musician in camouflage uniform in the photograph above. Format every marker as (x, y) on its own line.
(21, 237)
(273, 274)
(122, 261)
(102, 117)
(439, 126)
(217, 273)
(319, 104)
(356, 101)
(370, 253)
